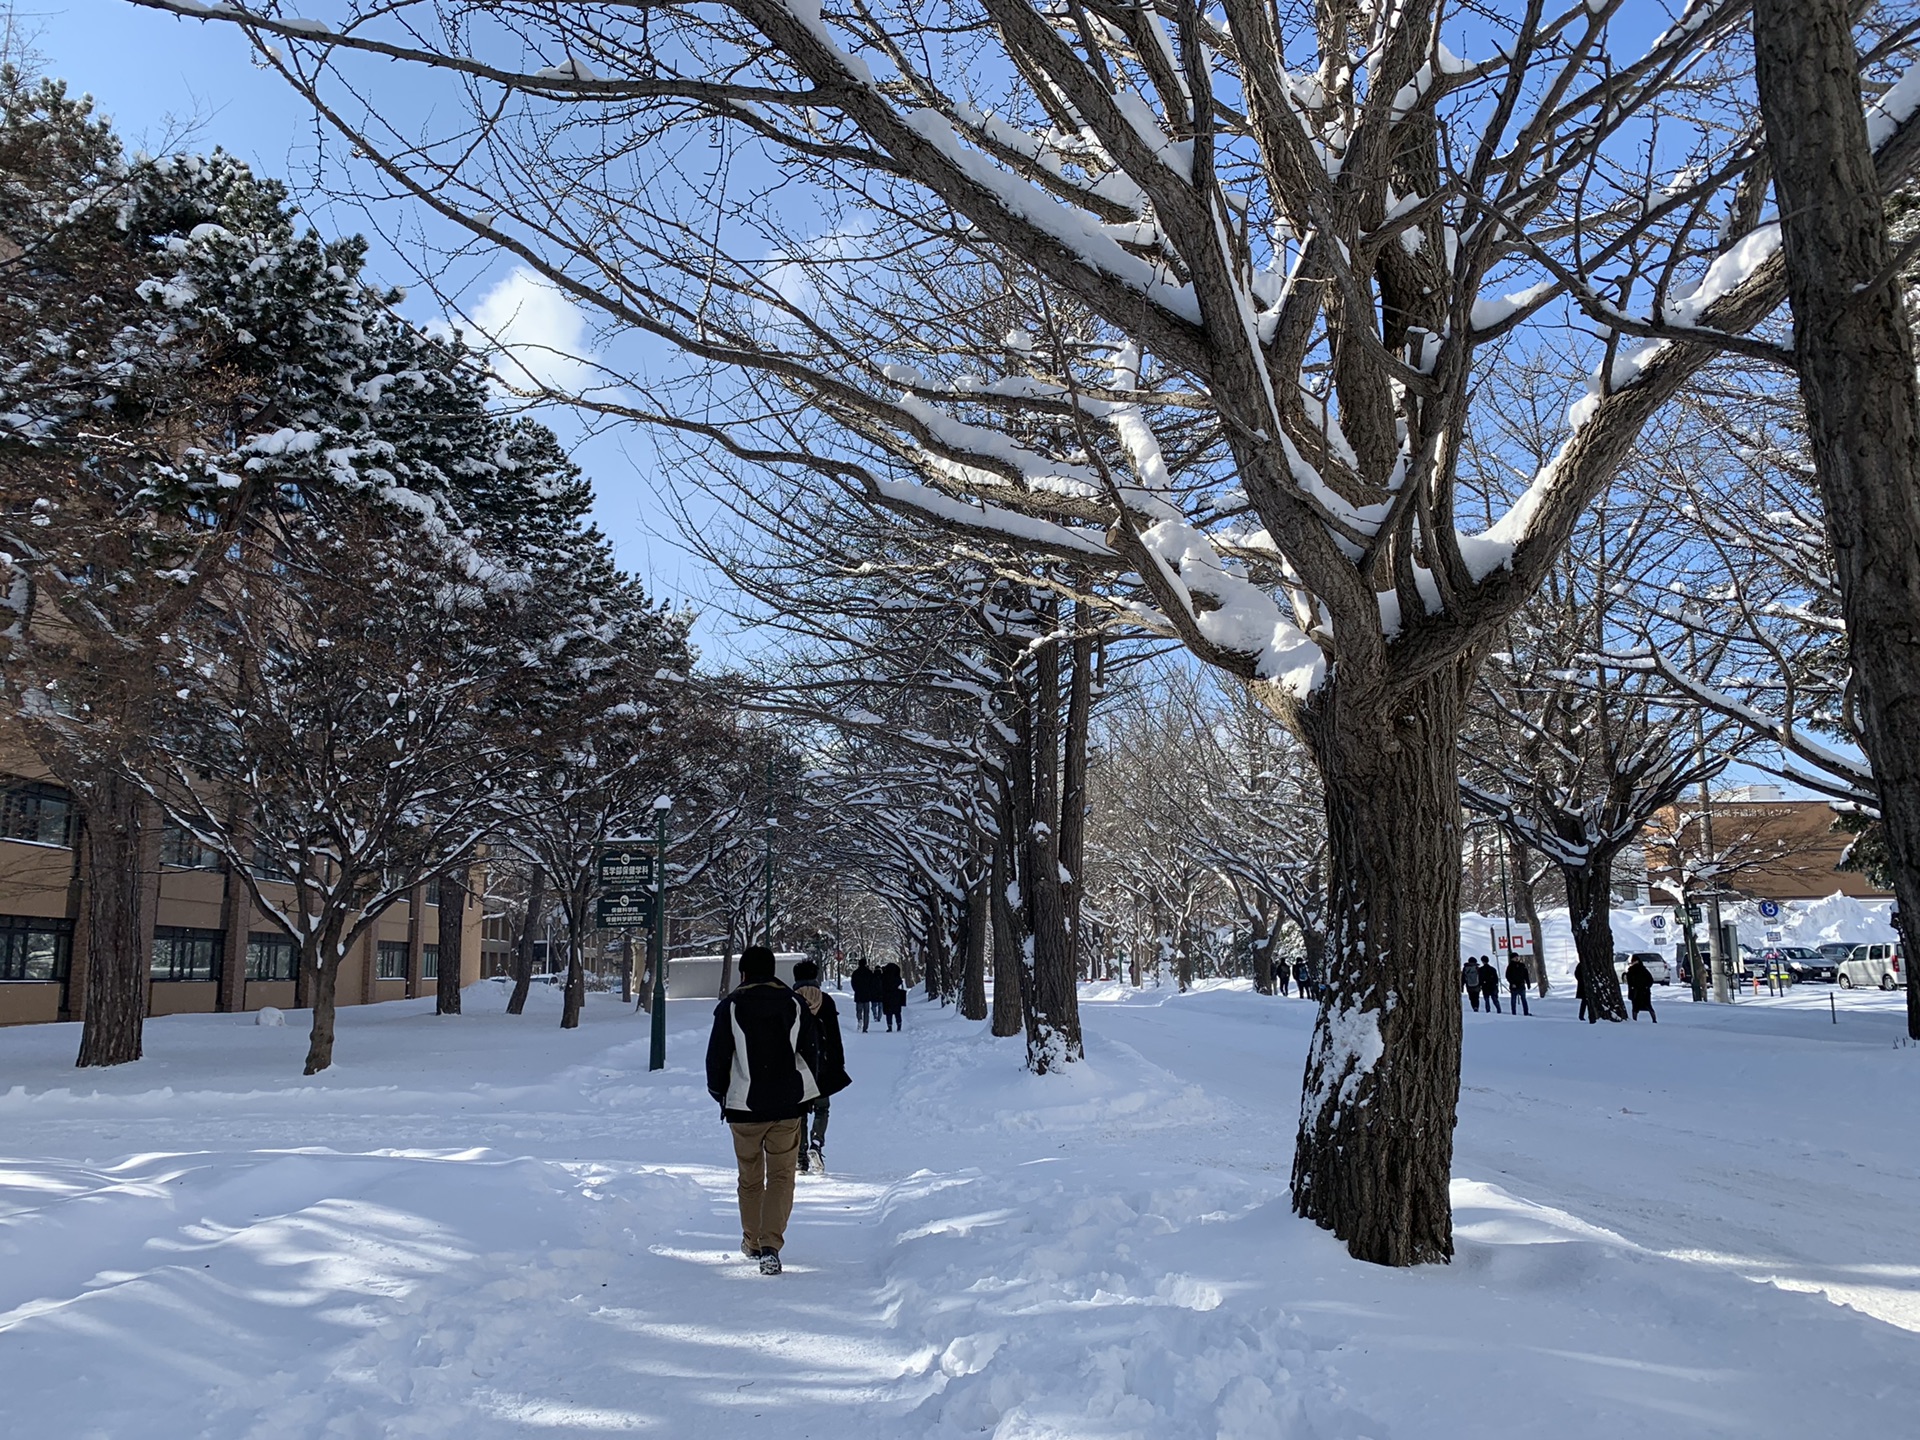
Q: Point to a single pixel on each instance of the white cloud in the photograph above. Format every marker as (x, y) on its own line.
(537, 332)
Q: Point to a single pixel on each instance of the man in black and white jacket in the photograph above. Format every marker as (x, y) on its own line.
(763, 1063)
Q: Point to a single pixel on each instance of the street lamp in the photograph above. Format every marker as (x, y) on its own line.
(657, 942)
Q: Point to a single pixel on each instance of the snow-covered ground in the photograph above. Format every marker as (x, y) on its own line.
(484, 1226)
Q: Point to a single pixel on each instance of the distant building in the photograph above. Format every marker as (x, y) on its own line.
(1766, 847)
(210, 949)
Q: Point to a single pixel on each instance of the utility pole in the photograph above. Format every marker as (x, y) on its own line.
(657, 941)
(767, 843)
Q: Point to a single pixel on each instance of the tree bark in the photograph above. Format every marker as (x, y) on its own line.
(1590, 908)
(326, 979)
(1375, 1146)
(575, 998)
(120, 834)
(973, 980)
(1073, 776)
(1856, 364)
(452, 933)
(1008, 1017)
(523, 952)
(1052, 996)
(1266, 933)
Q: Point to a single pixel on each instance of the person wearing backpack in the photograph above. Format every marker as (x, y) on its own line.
(1470, 981)
(832, 1073)
(763, 1066)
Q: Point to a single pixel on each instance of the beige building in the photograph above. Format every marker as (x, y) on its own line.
(211, 950)
(1766, 846)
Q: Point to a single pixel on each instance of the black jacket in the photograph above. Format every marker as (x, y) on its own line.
(832, 1070)
(1640, 983)
(1518, 976)
(763, 1059)
(864, 987)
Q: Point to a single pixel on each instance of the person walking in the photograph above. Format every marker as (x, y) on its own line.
(863, 992)
(832, 1074)
(1589, 1011)
(893, 995)
(1640, 989)
(763, 1067)
(1470, 981)
(1490, 983)
(1518, 978)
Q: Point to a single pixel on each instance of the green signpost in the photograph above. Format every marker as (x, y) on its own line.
(633, 896)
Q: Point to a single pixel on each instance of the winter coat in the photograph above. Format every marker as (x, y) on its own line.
(892, 989)
(1470, 976)
(865, 990)
(764, 1056)
(1518, 976)
(1640, 984)
(832, 1071)
(1489, 978)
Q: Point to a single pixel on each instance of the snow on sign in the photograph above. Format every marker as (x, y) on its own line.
(626, 870)
(623, 912)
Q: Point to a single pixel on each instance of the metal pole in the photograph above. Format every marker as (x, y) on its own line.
(767, 846)
(657, 942)
(1506, 916)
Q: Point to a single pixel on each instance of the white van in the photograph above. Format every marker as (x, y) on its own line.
(1873, 965)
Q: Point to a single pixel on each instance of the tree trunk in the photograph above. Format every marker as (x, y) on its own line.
(1313, 949)
(452, 935)
(523, 952)
(1375, 1147)
(1008, 961)
(1265, 934)
(1073, 777)
(1052, 994)
(726, 960)
(1590, 908)
(575, 998)
(1856, 366)
(326, 979)
(120, 831)
(973, 981)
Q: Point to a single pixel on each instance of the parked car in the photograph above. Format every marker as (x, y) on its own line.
(1655, 962)
(1838, 950)
(1873, 965)
(1801, 962)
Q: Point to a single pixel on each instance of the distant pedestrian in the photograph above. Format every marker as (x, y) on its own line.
(1280, 970)
(1518, 978)
(832, 1074)
(763, 1064)
(865, 992)
(1490, 983)
(893, 995)
(1640, 989)
(1470, 981)
(1589, 1011)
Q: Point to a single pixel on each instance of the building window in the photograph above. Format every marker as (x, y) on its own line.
(269, 956)
(432, 889)
(180, 849)
(40, 814)
(266, 865)
(430, 962)
(34, 949)
(391, 956)
(183, 954)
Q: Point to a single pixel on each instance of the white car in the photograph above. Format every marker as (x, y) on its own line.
(1873, 965)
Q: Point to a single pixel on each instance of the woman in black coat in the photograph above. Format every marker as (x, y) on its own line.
(893, 995)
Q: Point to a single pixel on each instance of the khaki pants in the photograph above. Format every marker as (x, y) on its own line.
(767, 1152)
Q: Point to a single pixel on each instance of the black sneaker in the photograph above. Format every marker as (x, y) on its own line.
(749, 1252)
(770, 1262)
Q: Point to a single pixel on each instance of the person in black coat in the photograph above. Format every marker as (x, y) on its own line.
(865, 991)
(1470, 981)
(893, 995)
(1489, 984)
(1518, 978)
(763, 1066)
(832, 1073)
(1640, 989)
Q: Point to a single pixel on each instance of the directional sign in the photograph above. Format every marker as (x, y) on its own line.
(623, 912)
(1769, 908)
(626, 871)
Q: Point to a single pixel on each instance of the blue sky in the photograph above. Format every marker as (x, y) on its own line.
(168, 83)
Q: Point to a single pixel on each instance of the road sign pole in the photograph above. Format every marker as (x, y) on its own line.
(657, 941)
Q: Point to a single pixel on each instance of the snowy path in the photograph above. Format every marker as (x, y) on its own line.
(486, 1228)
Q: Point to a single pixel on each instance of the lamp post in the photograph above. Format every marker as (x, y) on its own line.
(657, 942)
